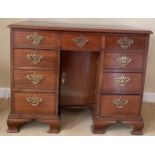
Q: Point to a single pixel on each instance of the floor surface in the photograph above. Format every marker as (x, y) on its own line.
(77, 123)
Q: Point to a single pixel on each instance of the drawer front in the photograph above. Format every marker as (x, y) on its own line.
(124, 105)
(125, 42)
(35, 103)
(35, 79)
(122, 82)
(35, 39)
(123, 61)
(81, 41)
(35, 58)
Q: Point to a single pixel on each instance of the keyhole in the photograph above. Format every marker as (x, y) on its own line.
(63, 78)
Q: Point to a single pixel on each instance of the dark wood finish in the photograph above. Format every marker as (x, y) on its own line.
(100, 124)
(139, 41)
(109, 85)
(50, 39)
(110, 61)
(79, 86)
(15, 123)
(47, 106)
(49, 59)
(93, 43)
(47, 88)
(107, 108)
(49, 81)
(34, 25)
(105, 114)
(90, 69)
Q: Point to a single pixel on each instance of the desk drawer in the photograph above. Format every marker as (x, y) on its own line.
(35, 58)
(125, 41)
(123, 61)
(120, 105)
(81, 41)
(122, 83)
(35, 79)
(35, 39)
(34, 103)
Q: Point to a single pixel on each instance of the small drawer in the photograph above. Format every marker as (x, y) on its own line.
(81, 41)
(35, 79)
(35, 58)
(122, 82)
(117, 106)
(125, 42)
(35, 39)
(34, 103)
(123, 61)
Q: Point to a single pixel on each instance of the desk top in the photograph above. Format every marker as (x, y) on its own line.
(77, 27)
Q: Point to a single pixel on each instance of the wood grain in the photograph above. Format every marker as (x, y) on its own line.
(47, 106)
(48, 82)
(90, 71)
(93, 43)
(49, 59)
(110, 61)
(80, 71)
(110, 86)
(50, 40)
(107, 108)
(138, 41)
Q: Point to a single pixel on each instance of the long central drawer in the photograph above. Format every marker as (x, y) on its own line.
(81, 41)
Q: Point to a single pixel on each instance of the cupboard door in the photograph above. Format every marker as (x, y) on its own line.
(78, 74)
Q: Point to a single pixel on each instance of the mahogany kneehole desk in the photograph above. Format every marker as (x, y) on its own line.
(77, 66)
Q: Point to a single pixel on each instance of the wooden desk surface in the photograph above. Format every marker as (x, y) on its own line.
(78, 27)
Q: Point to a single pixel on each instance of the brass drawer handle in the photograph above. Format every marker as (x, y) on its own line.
(122, 80)
(120, 102)
(125, 42)
(34, 100)
(35, 38)
(123, 61)
(80, 41)
(34, 78)
(35, 58)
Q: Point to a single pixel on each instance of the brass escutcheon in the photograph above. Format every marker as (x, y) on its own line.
(34, 78)
(35, 38)
(122, 80)
(35, 58)
(125, 42)
(80, 41)
(123, 61)
(120, 102)
(34, 100)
